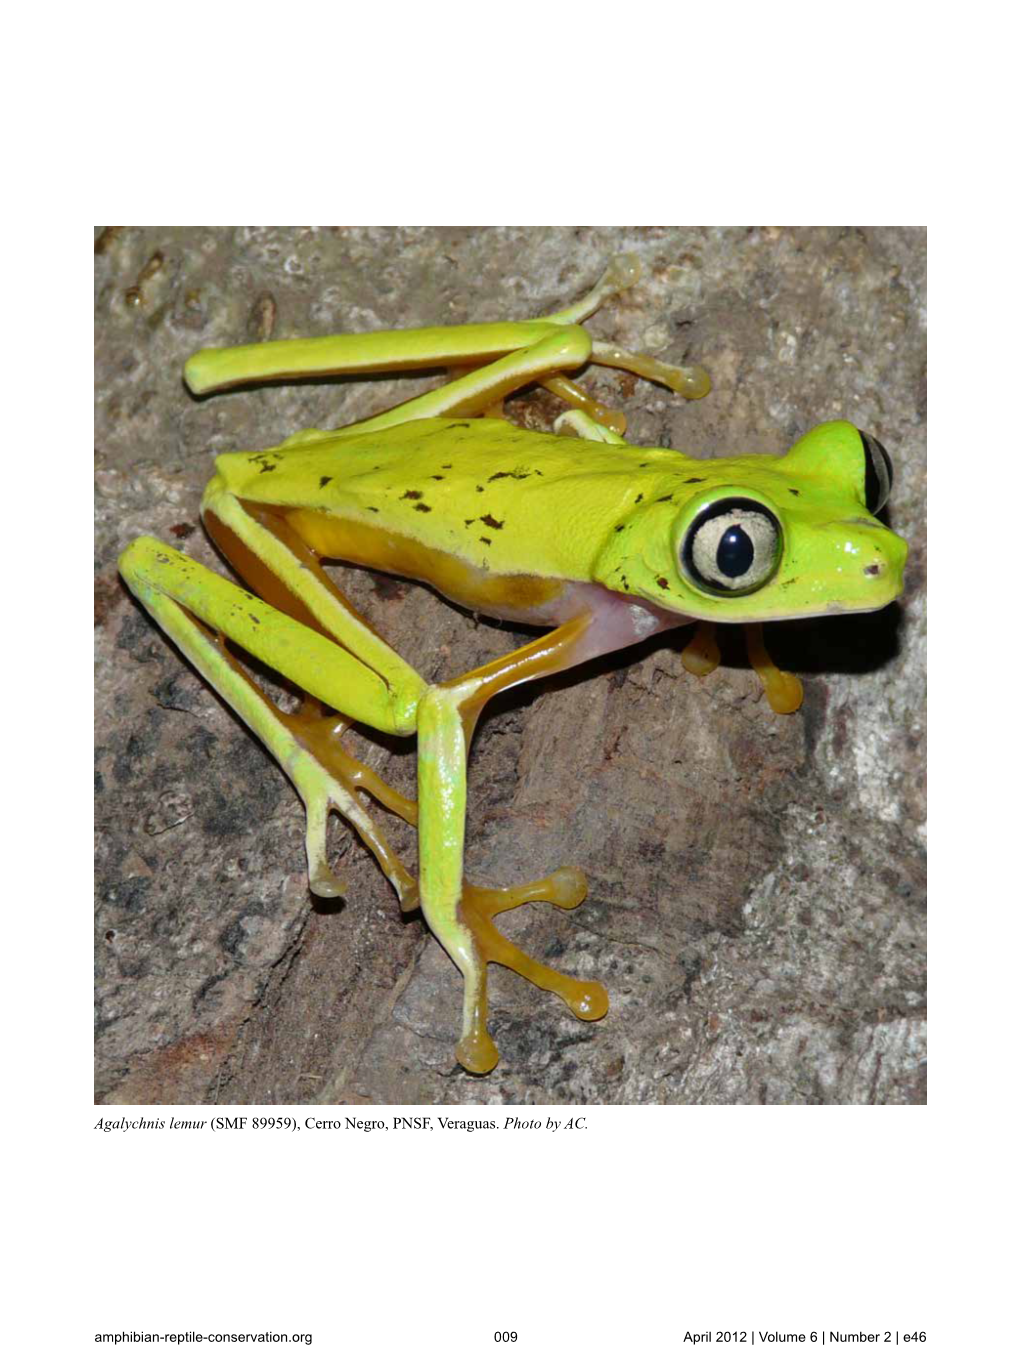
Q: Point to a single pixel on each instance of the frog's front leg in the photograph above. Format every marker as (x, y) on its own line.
(700, 657)
(459, 914)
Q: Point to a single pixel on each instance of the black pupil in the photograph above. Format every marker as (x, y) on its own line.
(736, 553)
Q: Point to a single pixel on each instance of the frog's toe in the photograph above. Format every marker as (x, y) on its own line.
(324, 883)
(623, 271)
(322, 794)
(476, 1052)
(565, 887)
(701, 654)
(784, 691)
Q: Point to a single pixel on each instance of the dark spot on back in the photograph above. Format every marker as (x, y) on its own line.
(324, 480)
(490, 521)
(411, 494)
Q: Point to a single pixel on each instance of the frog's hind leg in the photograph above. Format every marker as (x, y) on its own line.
(200, 611)
(295, 583)
(489, 360)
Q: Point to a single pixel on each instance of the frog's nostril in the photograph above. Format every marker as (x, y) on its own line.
(875, 568)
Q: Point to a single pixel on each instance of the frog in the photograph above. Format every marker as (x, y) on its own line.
(573, 533)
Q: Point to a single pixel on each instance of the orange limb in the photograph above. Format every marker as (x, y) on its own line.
(784, 692)
(701, 654)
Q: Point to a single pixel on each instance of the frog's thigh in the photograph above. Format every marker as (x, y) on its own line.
(271, 557)
(181, 595)
(285, 571)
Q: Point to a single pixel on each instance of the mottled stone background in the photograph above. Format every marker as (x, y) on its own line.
(757, 883)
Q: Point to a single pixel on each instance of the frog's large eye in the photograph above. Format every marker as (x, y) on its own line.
(732, 547)
(877, 473)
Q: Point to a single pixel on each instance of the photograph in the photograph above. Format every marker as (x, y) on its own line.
(510, 666)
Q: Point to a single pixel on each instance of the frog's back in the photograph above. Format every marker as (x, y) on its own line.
(502, 498)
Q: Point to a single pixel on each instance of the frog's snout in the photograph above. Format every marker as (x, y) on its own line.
(879, 559)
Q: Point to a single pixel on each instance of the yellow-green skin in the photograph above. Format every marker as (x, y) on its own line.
(510, 501)
(542, 528)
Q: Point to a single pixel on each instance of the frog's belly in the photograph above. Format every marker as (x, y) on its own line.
(617, 620)
(517, 598)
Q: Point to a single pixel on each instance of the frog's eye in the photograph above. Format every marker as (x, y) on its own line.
(877, 473)
(732, 547)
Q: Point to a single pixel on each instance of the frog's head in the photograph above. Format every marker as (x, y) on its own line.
(762, 538)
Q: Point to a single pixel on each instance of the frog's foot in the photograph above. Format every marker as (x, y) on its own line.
(334, 784)
(623, 271)
(701, 654)
(784, 692)
(690, 382)
(583, 406)
(589, 1001)
(580, 423)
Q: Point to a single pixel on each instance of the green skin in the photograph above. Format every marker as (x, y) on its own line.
(599, 525)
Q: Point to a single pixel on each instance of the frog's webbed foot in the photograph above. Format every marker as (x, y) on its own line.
(565, 887)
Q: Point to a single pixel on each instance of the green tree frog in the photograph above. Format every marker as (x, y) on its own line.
(596, 543)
